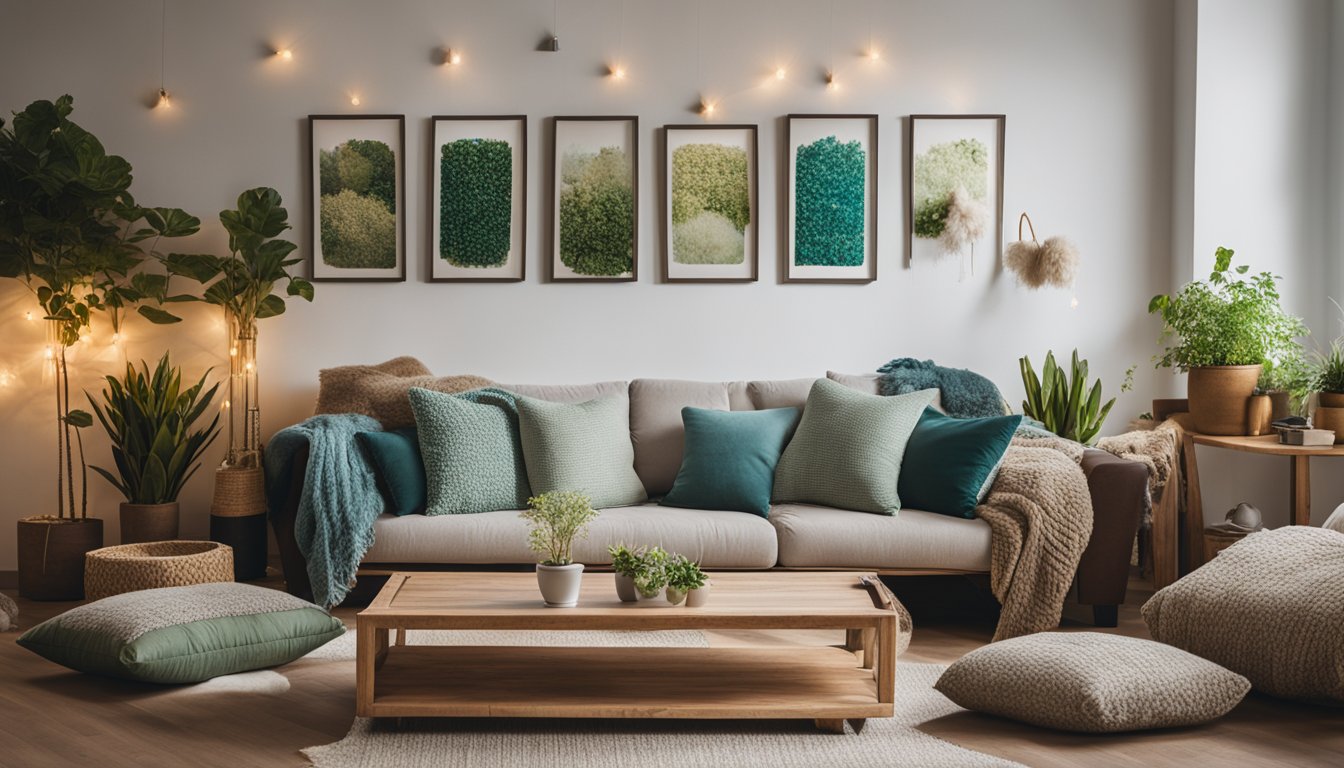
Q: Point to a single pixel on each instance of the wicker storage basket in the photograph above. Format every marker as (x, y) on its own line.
(131, 567)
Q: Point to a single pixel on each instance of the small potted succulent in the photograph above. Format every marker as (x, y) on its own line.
(684, 578)
(626, 563)
(651, 578)
(557, 518)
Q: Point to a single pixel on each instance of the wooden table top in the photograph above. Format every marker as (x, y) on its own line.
(1266, 444)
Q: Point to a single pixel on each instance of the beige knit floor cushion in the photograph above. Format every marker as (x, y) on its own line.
(1092, 683)
(383, 391)
(1269, 607)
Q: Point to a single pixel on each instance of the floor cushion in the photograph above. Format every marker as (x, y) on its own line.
(1091, 682)
(1269, 607)
(184, 634)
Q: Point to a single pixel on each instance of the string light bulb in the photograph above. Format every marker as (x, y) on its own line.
(707, 108)
(617, 72)
(165, 100)
(28, 316)
(781, 73)
(354, 100)
(1073, 303)
(452, 57)
(284, 54)
(832, 83)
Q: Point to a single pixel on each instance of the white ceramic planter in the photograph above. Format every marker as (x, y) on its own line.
(698, 597)
(625, 588)
(560, 584)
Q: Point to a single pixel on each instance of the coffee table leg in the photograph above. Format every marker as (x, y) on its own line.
(830, 725)
(370, 650)
(857, 724)
(886, 659)
(853, 639)
(869, 647)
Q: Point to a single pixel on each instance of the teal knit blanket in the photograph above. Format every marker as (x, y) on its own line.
(339, 501)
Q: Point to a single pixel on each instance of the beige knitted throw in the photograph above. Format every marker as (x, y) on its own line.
(1040, 517)
(1156, 446)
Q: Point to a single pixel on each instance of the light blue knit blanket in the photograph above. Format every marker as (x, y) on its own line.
(339, 500)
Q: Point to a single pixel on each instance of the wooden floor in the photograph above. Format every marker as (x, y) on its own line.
(52, 717)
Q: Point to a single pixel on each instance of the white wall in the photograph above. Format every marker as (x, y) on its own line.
(1087, 88)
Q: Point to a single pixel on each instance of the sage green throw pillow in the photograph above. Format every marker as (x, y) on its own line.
(581, 447)
(729, 459)
(848, 449)
(472, 451)
(184, 634)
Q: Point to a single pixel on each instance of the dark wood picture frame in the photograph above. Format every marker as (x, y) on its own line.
(313, 202)
(552, 252)
(753, 181)
(1000, 136)
(433, 200)
(785, 249)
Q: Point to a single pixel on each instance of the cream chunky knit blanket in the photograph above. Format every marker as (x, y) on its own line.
(1039, 512)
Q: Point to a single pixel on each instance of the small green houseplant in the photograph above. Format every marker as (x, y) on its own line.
(651, 578)
(1062, 401)
(155, 450)
(626, 563)
(557, 518)
(684, 577)
(1221, 331)
(1328, 380)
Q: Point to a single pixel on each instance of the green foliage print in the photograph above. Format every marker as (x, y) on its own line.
(829, 203)
(475, 202)
(711, 204)
(358, 232)
(597, 209)
(939, 172)
(382, 183)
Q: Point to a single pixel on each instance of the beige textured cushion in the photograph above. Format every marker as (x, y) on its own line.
(656, 429)
(569, 393)
(383, 391)
(715, 538)
(779, 393)
(1092, 683)
(816, 537)
(1269, 607)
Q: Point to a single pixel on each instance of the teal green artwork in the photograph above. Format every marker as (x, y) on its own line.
(597, 212)
(939, 172)
(475, 202)
(830, 202)
(358, 209)
(711, 204)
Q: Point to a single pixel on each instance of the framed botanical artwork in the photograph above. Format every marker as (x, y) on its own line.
(478, 199)
(710, 227)
(595, 199)
(955, 186)
(831, 206)
(357, 211)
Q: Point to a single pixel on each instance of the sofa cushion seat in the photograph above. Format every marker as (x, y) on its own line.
(817, 537)
(715, 538)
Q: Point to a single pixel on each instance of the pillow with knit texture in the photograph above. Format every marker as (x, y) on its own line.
(472, 451)
(582, 447)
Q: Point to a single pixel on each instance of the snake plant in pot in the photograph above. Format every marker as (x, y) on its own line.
(155, 450)
(1061, 401)
(557, 518)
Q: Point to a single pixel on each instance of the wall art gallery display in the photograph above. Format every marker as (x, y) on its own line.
(595, 200)
(478, 199)
(357, 215)
(831, 206)
(955, 186)
(709, 220)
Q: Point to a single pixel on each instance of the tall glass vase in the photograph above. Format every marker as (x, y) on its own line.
(244, 403)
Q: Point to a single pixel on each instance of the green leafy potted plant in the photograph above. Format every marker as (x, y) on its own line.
(626, 563)
(73, 234)
(1221, 331)
(651, 578)
(1328, 382)
(557, 518)
(149, 418)
(1061, 400)
(684, 578)
(1286, 381)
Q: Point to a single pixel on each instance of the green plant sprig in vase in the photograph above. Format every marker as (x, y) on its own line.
(556, 519)
(683, 576)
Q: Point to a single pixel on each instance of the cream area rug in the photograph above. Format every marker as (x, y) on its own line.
(474, 743)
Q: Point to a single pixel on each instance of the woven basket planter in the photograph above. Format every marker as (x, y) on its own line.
(150, 565)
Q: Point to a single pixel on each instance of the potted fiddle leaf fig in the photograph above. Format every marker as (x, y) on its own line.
(71, 231)
(155, 450)
(1221, 330)
(684, 578)
(557, 518)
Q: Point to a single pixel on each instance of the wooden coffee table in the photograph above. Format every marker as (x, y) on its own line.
(826, 684)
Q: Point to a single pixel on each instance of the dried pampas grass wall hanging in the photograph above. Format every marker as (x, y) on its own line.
(1036, 264)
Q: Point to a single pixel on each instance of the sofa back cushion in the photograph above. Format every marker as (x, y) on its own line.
(656, 428)
(779, 393)
(581, 447)
(570, 393)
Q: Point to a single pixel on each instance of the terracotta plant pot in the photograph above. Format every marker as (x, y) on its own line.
(1219, 395)
(51, 556)
(698, 596)
(142, 523)
(1330, 418)
(625, 588)
(560, 584)
(1331, 399)
(1281, 403)
(1259, 415)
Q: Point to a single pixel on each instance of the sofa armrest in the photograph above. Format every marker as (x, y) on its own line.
(1119, 490)
(292, 562)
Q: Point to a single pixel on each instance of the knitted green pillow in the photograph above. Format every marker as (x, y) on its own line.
(471, 449)
(848, 448)
(581, 447)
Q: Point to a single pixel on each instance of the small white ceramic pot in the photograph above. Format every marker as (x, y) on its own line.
(625, 588)
(560, 584)
(676, 596)
(698, 597)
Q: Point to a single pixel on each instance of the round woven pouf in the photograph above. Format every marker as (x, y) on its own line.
(153, 564)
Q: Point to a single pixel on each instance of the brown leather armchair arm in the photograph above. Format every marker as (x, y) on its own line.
(1119, 491)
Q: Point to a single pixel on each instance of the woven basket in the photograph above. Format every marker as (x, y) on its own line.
(150, 565)
(239, 492)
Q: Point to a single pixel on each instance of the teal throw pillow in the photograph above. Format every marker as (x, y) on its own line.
(397, 468)
(472, 451)
(730, 457)
(184, 634)
(950, 463)
(848, 448)
(581, 447)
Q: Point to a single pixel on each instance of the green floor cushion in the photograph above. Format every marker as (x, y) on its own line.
(848, 448)
(950, 463)
(729, 458)
(397, 468)
(184, 634)
(472, 451)
(581, 447)
(1092, 682)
